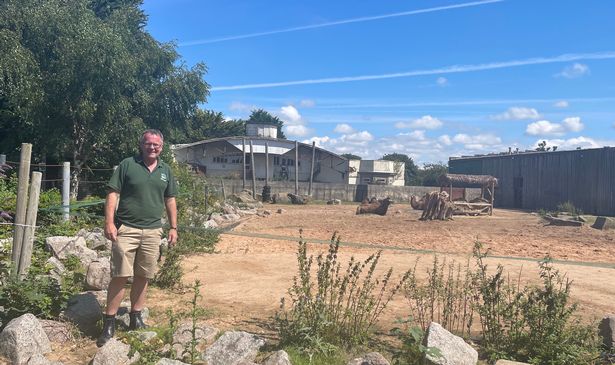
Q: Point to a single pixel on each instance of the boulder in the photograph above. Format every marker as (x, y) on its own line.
(22, 338)
(40, 359)
(98, 276)
(57, 331)
(56, 244)
(607, 331)
(372, 358)
(604, 223)
(453, 349)
(75, 246)
(278, 358)
(114, 352)
(122, 319)
(182, 336)
(95, 239)
(298, 199)
(210, 224)
(84, 311)
(231, 217)
(228, 209)
(145, 336)
(57, 268)
(232, 348)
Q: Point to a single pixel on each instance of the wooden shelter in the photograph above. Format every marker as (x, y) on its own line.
(487, 184)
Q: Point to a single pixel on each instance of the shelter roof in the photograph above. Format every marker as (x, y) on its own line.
(483, 180)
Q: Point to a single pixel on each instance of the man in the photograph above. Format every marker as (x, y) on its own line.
(146, 187)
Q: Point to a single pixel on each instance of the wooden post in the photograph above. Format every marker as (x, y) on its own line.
(297, 167)
(252, 167)
(312, 168)
(223, 192)
(66, 190)
(266, 163)
(28, 237)
(206, 195)
(492, 197)
(2, 159)
(22, 201)
(450, 198)
(243, 158)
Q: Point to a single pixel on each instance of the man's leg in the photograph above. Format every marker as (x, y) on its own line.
(115, 294)
(137, 293)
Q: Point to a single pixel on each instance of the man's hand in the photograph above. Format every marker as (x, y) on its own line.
(111, 232)
(172, 237)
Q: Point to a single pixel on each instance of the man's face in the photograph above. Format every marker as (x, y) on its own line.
(151, 146)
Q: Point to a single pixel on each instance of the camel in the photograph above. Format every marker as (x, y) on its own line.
(418, 204)
(374, 206)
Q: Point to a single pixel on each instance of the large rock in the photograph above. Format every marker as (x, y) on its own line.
(182, 336)
(99, 274)
(607, 331)
(165, 361)
(278, 358)
(57, 331)
(40, 359)
(232, 348)
(453, 349)
(114, 352)
(63, 246)
(210, 224)
(22, 338)
(508, 362)
(604, 223)
(84, 311)
(372, 358)
(95, 239)
(57, 268)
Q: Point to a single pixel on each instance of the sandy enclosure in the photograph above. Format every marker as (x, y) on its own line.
(244, 281)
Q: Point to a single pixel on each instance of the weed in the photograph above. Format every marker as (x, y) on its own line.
(340, 308)
(568, 207)
(170, 274)
(412, 350)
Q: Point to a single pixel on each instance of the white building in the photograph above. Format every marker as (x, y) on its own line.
(224, 157)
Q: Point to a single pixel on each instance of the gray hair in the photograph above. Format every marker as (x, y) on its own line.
(155, 132)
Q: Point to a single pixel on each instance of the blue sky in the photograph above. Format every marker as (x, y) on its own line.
(430, 79)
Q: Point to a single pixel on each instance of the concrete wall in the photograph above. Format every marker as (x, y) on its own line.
(344, 192)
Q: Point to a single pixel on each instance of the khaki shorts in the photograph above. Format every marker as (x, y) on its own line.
(135, 252)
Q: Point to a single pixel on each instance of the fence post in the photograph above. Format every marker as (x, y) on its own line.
(297, 167)
(206, 195)
(266, 163)
(2, 159)
(312, 168)
(66, 190)
(22, 201)
(243, 159)
(223, 192)
(253, 168)
(28, 236)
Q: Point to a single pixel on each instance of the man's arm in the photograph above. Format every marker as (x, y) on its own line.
(171, 206)
(110, 204)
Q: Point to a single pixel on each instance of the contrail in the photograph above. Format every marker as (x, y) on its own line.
(339, 22)
(437, 71)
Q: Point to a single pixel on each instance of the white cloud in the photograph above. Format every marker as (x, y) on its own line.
(517, 113)
(477, 142)
(297, 130)
(561, 104)
(418, 135)
(425, 122)
(343, 128)
(574, 71)
(442, 81)
(307, 103)
(445, 139)
(363, 136)
(320, 141)
(547, 128)
(290, 115)
(241, 107)
(574, 143)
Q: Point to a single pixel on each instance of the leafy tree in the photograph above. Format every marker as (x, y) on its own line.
(81, 79)
(350, 156)
(411, 169)
(260, 116)
(206, 124)
(428, 175)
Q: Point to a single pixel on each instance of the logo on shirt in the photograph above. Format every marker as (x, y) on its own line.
(163, 177)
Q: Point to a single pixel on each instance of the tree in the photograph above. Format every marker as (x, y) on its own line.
(410, 167)
(260, 116)
(350, 156)
(429, 174)
(82, 79)
(206, 124)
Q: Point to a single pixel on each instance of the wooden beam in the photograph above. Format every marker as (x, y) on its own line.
(312, 168)
(297, 167)
(28, 237)
(243, 159)
(253, 168)
(22, 201)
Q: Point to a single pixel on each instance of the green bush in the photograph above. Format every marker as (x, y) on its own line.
(340, 308)
(412, 351)
(568, 207)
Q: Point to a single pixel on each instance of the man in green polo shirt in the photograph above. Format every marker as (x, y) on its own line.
(146, 187)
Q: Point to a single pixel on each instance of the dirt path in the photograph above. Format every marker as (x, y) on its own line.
(244, 282)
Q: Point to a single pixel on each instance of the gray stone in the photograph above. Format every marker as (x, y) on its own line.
(62, 247)
(57, 243)
(453, 349)
(22, 338)
(146, 335)
(57, 268)
(210, 224)
(99, 274)
(278, 358)
(280, 211)
(372, 358)
(182, 336)
(40, 359)
(95, 239)
(57, 331)
(122, 319)
(101, 297)
(508, 362)
(232, 348)
(114, 352)
(231, 217)
(607, 331)
(228, 209)
(165, 361)
(84, 311)
(604, 223)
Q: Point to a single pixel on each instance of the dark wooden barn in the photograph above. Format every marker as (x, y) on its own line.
(535, 180)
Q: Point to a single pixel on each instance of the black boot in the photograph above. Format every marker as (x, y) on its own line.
(108, 330)
(136, 321)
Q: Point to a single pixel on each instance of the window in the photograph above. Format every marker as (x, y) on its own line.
(220, 159)
(283, 162)
(276, 160)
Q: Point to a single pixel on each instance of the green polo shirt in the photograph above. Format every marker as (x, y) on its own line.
(142, 193)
